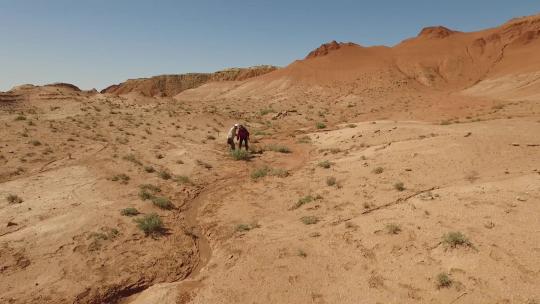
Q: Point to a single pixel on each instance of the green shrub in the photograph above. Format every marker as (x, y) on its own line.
(393, 228)
(378, 170)
(148, 191)
(279, 172)
(239, 154)
(263, 112)
(162, 202)
(304, 140)
(14, 199)
(182, 179)
(399, 186)
(443, 280)
(129, 211)
(133, 159)
(260, 172)
(325, 164)
(164, 174)
(456, 238)
(122, 177)
(302, 201)
(150, 187)
(278, 148)
(330, 181)
(309, 220)
(320, 125)
(246, 227)
(151, 224)
(264, 171)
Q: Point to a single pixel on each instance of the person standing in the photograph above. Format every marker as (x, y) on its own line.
(243, 136)
(231, 135)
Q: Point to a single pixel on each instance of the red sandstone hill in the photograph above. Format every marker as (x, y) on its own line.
(170, 85)
(437, 59)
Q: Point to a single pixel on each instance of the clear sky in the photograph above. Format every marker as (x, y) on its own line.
(96, 43)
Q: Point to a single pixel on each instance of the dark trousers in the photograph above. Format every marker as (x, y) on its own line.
(230, 142)
(244, 140)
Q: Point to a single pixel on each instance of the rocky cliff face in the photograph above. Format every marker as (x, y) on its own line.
(170, 85)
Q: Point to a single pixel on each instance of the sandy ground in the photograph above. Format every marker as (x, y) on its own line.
(369, 181)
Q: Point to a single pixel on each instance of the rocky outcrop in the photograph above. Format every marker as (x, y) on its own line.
(436, 32)
(171, 85)
(326, 48)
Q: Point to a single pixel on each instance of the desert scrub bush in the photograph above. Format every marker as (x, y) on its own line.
(149, 169)
(443, 280)
(320, 125)
(279, 172)
(278, 148)
(325, 164)
(238, 154)
(35, 143)
(399, 186)
(14, 199)
(309, 220)
(446, 122)
(129, 211)
(260, 172)
(331, 181)
(335, 150)
(378, 170)
(210, 137)
(393, 228)
(164, 174)
(162, 202)
(302, 201)
(304, 140)
(455, 238)
(20, 117)
(263, 112)
(183, 179)
(132, 158)
(148, 191)
(264, 171)
(302, 253)
(122, 177)
(351, 125)
(246, 227)
(150, 224)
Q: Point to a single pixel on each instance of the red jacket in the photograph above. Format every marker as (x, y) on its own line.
(242, 133)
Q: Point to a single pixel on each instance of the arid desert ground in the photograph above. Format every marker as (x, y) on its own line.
(404, 174)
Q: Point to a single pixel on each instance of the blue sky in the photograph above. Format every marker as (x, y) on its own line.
(96, 43)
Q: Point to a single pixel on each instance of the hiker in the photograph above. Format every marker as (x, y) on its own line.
(243, 136)
(231, 135)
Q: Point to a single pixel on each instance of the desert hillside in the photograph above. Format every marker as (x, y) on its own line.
(170, 85)
(403, 174)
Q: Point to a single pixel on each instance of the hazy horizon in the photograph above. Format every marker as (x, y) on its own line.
(94, 45)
